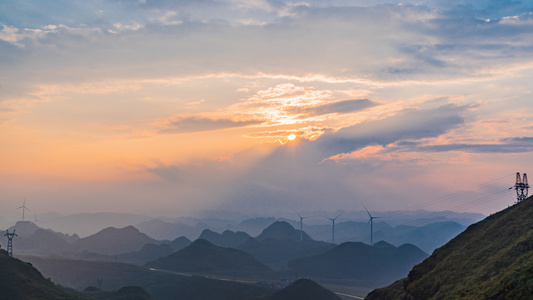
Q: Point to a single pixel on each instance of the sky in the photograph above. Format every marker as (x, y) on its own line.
(168, 107)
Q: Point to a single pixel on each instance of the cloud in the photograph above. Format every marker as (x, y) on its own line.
(199, 124)
(337, 107)
(506, 145)
(407, 124)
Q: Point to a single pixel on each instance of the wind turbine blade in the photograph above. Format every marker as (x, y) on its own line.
(338, 216)
(366, 210)
(367, 225)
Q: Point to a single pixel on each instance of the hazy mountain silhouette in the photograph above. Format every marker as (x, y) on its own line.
(492, 259)
(203, 256)
(85, 224)
(281, 231)
(168, 231)
(33, 240)
(228, 239)
(255, 226)
(147, 253)
(361, 263)
(428, 237)
(19, 280)
(303, 289)
(112, 241)
(280, 243)
(178, 243)
(24, 228)
(45, 242)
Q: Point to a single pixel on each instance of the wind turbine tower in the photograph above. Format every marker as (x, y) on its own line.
(371, 221)
(24, 207)
(301, 226)
(333, 227)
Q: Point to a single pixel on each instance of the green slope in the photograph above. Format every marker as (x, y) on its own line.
(492, 259)
(19, 280)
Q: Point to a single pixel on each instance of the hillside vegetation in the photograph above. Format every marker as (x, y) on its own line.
(20, 280)
(492, 259)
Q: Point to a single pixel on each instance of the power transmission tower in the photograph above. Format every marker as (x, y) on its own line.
(521, 186)
(10, 242)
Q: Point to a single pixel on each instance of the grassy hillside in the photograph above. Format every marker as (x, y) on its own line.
(20, 280)
(492, 259)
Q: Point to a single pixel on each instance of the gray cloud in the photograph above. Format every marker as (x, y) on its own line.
(338, 107)
(408, 124)
(199, 124)
(506, 145)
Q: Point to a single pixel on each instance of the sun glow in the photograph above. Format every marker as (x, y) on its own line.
(291, 137)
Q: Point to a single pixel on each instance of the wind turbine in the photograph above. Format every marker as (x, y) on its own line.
(371, 221)
(333, 227)
(35, 220)
(301, 226)
(23, 208)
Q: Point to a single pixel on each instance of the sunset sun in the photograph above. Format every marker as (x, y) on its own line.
(292, 137)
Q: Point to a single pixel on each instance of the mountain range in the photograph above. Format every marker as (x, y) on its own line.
(360, 264)
(203, 256)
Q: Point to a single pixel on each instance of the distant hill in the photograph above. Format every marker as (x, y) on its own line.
(147, 253)
(255, 226)
(19, 280)
(24, 228)
(112, 241)
(361, 263)
(85, 224)
(303, 289)
(427, 237)
(228, 239)
(179, 243)
(203, 256)
(33, 240)
(162, 230)
(492, 258)
(281, 230)
(277, 253)
(45, 242)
